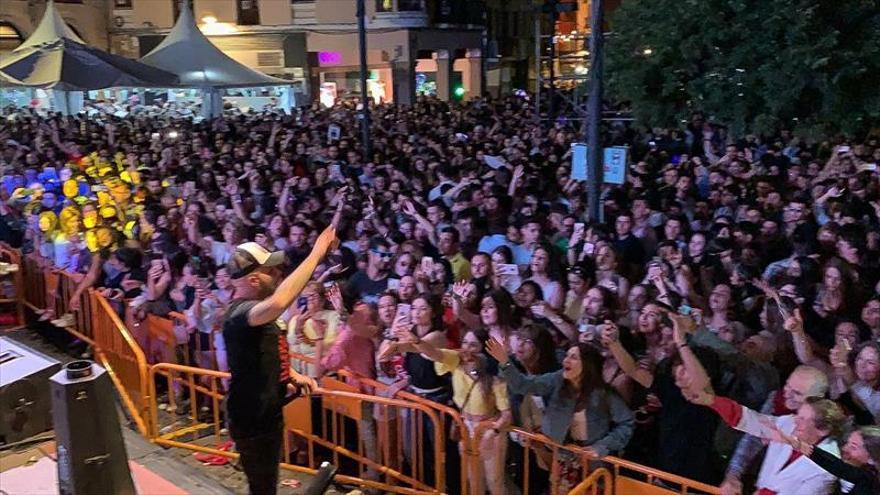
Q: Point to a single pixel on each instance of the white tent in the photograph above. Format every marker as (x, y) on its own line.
(189, 54)
(54, 57)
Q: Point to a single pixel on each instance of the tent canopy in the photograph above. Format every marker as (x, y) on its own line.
(55, 57)
(190, 55)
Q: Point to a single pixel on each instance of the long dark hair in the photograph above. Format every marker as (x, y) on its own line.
(503, 304)
(436, 310)
(591, 376)
(554, 267)
(487, 368)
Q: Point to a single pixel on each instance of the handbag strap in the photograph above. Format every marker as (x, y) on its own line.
(467, 397)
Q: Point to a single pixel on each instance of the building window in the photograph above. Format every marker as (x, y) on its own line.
(10, 37)
(409, 5)
(399, 6)
(122, 4)
(248, 12)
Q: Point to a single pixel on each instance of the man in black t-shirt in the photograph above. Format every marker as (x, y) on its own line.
(257, 353)
(367, 285)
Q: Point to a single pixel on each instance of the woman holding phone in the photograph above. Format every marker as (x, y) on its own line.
(425, 321)
(302, 334)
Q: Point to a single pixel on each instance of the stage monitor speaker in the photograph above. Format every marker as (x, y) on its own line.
(24, 391)
(91, 451)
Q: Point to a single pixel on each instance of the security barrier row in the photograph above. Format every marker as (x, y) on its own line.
(396, 445)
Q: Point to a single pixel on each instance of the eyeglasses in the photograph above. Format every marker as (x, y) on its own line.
(382, 254)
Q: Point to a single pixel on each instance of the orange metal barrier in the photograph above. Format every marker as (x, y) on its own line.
(45, 287)
(193, 430)
(392, 426)
(628, 478)
(118, 352)
(635, 479)
(97, 324)
(599, 481)
(12, 257)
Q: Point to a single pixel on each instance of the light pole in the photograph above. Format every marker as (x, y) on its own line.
(365, 99)
(594, 114)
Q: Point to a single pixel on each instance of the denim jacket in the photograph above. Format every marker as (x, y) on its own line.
(610, 422)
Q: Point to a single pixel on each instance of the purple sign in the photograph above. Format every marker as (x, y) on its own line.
(329, 58)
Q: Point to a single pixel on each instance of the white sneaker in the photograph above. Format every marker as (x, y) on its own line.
(67, 320)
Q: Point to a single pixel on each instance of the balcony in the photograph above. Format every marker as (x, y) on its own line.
(399, 14)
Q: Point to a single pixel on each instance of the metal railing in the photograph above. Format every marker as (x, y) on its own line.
(200, 428)
(97, 324)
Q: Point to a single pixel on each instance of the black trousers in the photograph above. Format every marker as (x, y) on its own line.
(260, 456)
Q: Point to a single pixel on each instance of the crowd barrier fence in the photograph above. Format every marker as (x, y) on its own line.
(96, 323)
(199, 427)
(404, 425)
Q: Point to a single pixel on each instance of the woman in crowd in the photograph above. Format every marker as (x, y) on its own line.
(579, 281)
(302, 334)
(607, 274)
(544, 271)
(581, 408)
(506, 274)
(479, 395)
(859, 372)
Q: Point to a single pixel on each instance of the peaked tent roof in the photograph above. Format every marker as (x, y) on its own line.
(51, 28)
(55, 57)
(198, 63)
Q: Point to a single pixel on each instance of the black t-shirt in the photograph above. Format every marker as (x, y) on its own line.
(362, 287)
(685, 431)
(256, 394)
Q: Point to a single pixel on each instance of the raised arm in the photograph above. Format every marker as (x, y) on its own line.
(272, 307)
(88, 281)
(624, 359)
(516, 380)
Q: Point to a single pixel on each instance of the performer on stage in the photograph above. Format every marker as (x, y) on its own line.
(262, 381)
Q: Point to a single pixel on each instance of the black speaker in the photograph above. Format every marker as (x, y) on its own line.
(91, 451)
(24, 391)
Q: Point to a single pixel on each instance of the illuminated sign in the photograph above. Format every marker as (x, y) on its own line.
(329, 58)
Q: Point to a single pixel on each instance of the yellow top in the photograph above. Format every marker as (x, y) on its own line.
(478, 404)
(461, 267)
(308, 329)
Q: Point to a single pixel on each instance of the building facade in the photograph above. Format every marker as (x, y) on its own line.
(413, 46)
(87, 18)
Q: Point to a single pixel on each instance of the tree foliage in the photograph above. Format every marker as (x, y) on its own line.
(755, 65)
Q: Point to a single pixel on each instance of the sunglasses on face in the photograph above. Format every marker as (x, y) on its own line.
(382, 254)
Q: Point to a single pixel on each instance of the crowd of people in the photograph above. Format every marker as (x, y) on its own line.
(732, 281)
